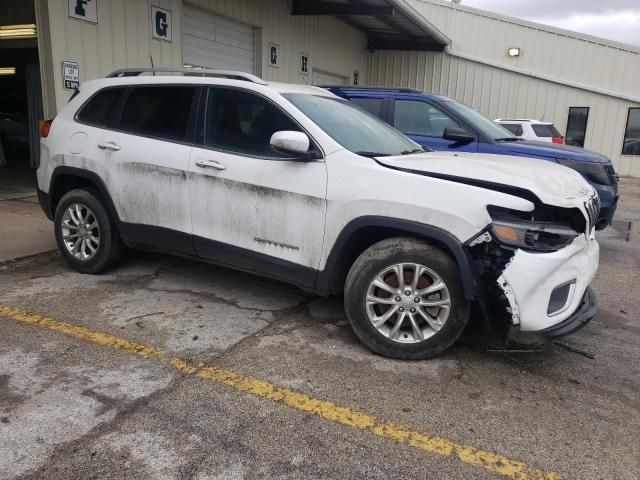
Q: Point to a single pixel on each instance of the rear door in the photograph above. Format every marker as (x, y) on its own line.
(425, 123)
(146, 153)
(252, 207)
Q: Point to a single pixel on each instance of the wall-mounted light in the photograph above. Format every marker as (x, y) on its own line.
(514, 52)
(18, 31)
(7, 70)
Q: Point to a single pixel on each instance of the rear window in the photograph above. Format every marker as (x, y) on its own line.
(545, 131)
(371, 105)
(97, 110)
(160, 112)
(513, 128)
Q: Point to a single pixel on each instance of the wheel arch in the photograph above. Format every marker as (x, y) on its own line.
(64, 179)
(363, 232)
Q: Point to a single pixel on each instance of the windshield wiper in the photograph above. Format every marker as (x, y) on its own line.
(415, 150)
(508, 139)
(371, 154)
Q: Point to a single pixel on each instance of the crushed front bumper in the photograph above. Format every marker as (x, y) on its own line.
(530, 281)
(583, 315)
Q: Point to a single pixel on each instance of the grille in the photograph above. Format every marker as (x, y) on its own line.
(613, 176)
(593, 211)
(559, 298)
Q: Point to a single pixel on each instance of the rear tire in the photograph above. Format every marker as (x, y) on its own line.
(408, 281)
(86, 233)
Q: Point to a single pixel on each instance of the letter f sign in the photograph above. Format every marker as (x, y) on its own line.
(80, 7)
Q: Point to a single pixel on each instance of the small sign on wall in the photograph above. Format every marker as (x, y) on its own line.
(70, 75)
(85, 10)
(274, 55)
(304, 64)
(356, 77)
(160, 24)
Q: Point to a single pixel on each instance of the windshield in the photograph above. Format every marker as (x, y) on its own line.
(482, 124)
(353, 127)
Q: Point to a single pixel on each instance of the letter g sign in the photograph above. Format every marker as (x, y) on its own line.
(160, 23)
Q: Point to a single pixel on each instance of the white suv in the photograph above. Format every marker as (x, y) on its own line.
(294, 183)
(532, 129)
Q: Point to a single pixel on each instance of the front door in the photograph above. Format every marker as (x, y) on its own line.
(424, 123)
(253, 207)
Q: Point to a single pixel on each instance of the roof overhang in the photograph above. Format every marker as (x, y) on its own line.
(388, 24)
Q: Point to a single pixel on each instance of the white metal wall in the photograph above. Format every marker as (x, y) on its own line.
(122, 38)
(545, 50)
(499, 93)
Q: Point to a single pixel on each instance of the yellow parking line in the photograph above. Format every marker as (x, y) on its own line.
(491, 462)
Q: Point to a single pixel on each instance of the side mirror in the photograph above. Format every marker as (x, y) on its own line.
(290, 142)
(457, 134)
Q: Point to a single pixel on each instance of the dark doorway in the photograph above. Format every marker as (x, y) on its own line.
(20, 104)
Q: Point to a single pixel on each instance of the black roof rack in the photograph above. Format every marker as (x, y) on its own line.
(199, 72)
(356, 87)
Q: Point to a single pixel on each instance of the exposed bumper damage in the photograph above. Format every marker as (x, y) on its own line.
(530, 279)
(531, 296)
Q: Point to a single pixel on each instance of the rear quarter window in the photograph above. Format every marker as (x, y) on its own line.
(97, 110)
(546, 131)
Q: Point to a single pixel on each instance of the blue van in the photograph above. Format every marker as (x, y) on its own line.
(440, 123)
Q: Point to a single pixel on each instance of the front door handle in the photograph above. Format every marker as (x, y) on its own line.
(109, 146)
(210, 164)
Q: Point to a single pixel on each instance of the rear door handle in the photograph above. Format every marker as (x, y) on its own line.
(109, 146)
(210, 164)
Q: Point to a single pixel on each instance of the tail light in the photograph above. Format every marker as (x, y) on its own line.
(45, 128)
(557, 140)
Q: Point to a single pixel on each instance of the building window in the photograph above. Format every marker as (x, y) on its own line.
(577, 126)
(631, 144)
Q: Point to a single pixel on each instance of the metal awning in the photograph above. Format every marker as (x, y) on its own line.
(388, 24)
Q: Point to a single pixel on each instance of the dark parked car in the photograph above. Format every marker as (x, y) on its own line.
(440, 123)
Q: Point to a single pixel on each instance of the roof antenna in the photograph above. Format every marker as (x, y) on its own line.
(152, 66)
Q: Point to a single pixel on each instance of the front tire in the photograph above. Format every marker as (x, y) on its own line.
(86, 233)
(404, 299)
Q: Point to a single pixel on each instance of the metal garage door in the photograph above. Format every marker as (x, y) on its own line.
(326, 78)
(216, 42)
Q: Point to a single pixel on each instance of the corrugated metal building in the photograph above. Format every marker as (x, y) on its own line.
(556, 70)
(427, 44)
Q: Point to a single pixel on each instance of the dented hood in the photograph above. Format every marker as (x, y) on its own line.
(550, 182)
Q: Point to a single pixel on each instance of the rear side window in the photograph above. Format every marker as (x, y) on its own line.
(420, 118)
(97, 110)
(545, 131)
(371, 105)
(513, 128)
(160, 112)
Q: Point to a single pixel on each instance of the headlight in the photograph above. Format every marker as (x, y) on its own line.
(541, 237)
(594, 172)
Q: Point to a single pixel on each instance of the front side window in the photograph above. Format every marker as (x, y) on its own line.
(577, 126)
(97, 110)
(160, 112)
(631, 144)
(514, 128)
(371, 105)
(243, 122)
(421, 118)
(351, 126)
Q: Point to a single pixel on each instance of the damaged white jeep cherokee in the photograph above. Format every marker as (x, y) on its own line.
(295, 184)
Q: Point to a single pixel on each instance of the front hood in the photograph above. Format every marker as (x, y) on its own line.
(550, 183)
(554, 150)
